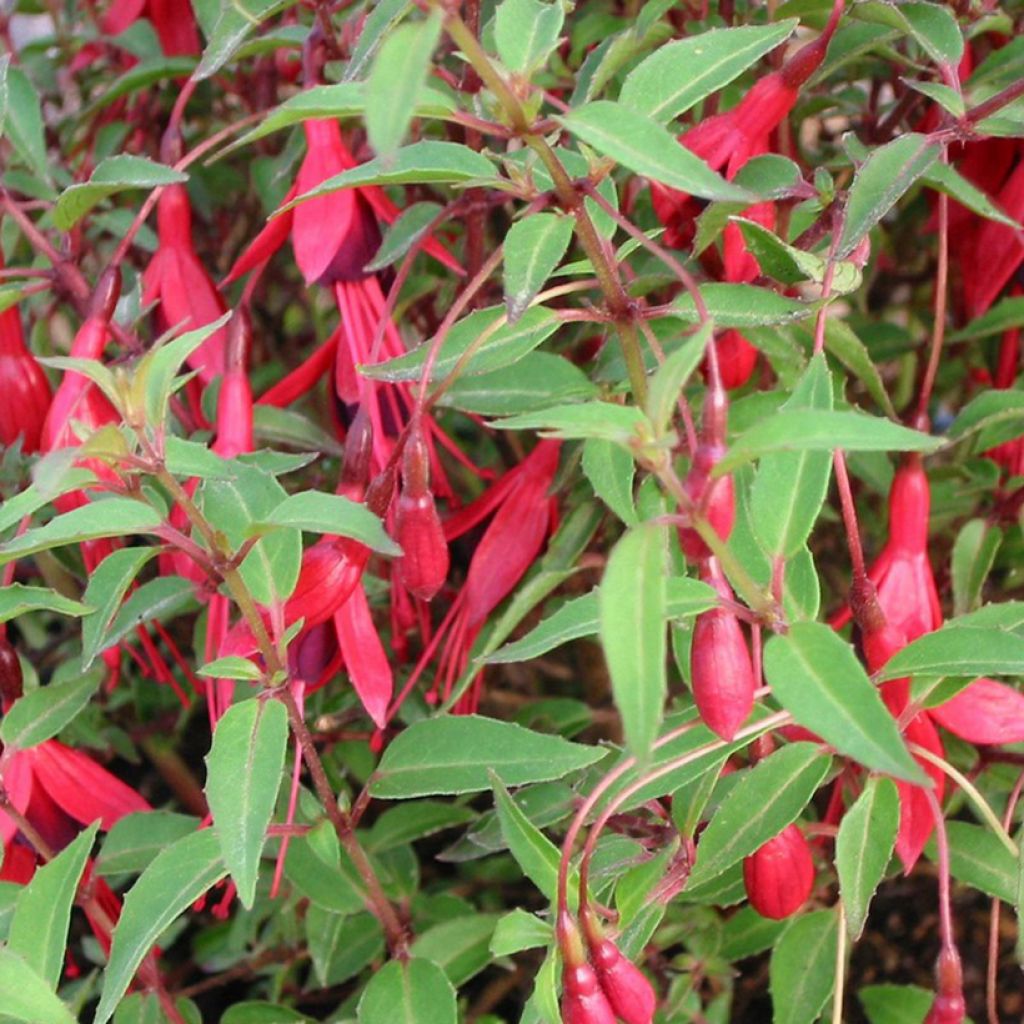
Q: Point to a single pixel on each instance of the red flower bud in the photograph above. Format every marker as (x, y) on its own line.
(714, 499)
(424, 565)
(779, 876)
(627, 990)
(948, 1007)
(10, 674)
(721, 673)
(583, 999)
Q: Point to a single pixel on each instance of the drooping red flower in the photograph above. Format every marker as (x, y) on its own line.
(175, 276)
(583, 999)
(779, 876)
(721, 673)
(628, 992)
(26, 390)
(174, 21)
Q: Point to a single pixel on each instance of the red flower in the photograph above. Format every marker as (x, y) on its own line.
(173, 20)
(628, 992)
(423, 566)
(583, 999)
(188, 297)
(26, 390)
(779, 876)
(721, 672)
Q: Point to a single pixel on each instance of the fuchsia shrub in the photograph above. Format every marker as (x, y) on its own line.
(511, 511)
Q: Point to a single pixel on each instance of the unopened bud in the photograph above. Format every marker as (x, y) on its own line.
(627, 990)
(583, 999)
(721, 672)
(779, 876)
(713, 499)
(10, 674)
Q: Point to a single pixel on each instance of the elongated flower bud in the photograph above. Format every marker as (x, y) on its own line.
(713, 499)
(779, 876)
(424, 565)
(720, 669)
(628, 992)
(948, 1006)
(10, 675)
(583, 999)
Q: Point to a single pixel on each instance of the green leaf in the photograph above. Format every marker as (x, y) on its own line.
(974, 553)
(460, 946)
(959, 651)
(935, 28)
(670, 378)
(843, 343)
(231, 667)
(414, 991)
(519, 930)
(23, 122)
(789, 488)
(610, 469)
(802, 972)
(896, 1004)
(1005, 314)
(886, 175)
(533, 247)
(503, 344)
(176, 878)
(41, 713)
(379, 19)
(136, 839)
(397, 76)
(160, 366)
(422, 163)
(162, 597)
(993, 416)
(331, 514)
(816, 677)
(791, 265)
(243, 775)
(405, 823)
(525, 33)
(115, 174)
(867, 836)
(26, 996)
(604, 420)
(800, 430)
(764, 801)
(946, 178)
(20, 599)
(452, 754)
(108, 583)
(632, 606)
(644, 147)
(141, 76)
(237, 21)
(579, 617)
(741, 305)
(39, 928)
(410, 227)
(317, 871)
(341, 946)
(537, 381)
(534, 852)
(683, 72)
(979, 859)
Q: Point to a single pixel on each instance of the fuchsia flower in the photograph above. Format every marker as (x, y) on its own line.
(721, 673)
(26, 391)
(173, 20)
(175, 276)
(726, 142)
(779, 876)
(525, 515)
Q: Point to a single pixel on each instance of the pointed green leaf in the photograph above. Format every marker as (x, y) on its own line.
(867, 837)
(114, 174)
(176, 878)
(605, 420)
(533, 248)
(398, 74)
(159, 598)
(19, 599)
(610, 469)
(413, 991)
(26, 996)
(683, 72)
(410, 227)
(331, 514)
(243, 775)
(42, 713)
(23, 122)
(525, 32)
(670, 378)
(453, 754)
(764, 801)
(644, 147)
(108, 583)
(959, 651)
(803, 968)
(816, 677)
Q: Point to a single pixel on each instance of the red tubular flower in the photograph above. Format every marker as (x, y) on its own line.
(628, 992)
(583, 999)
(423, 566)
(721, 672)
(364, 656)
(173, 20)
(27, 393)
(902, 573)
(188, 297)
(779, 876)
